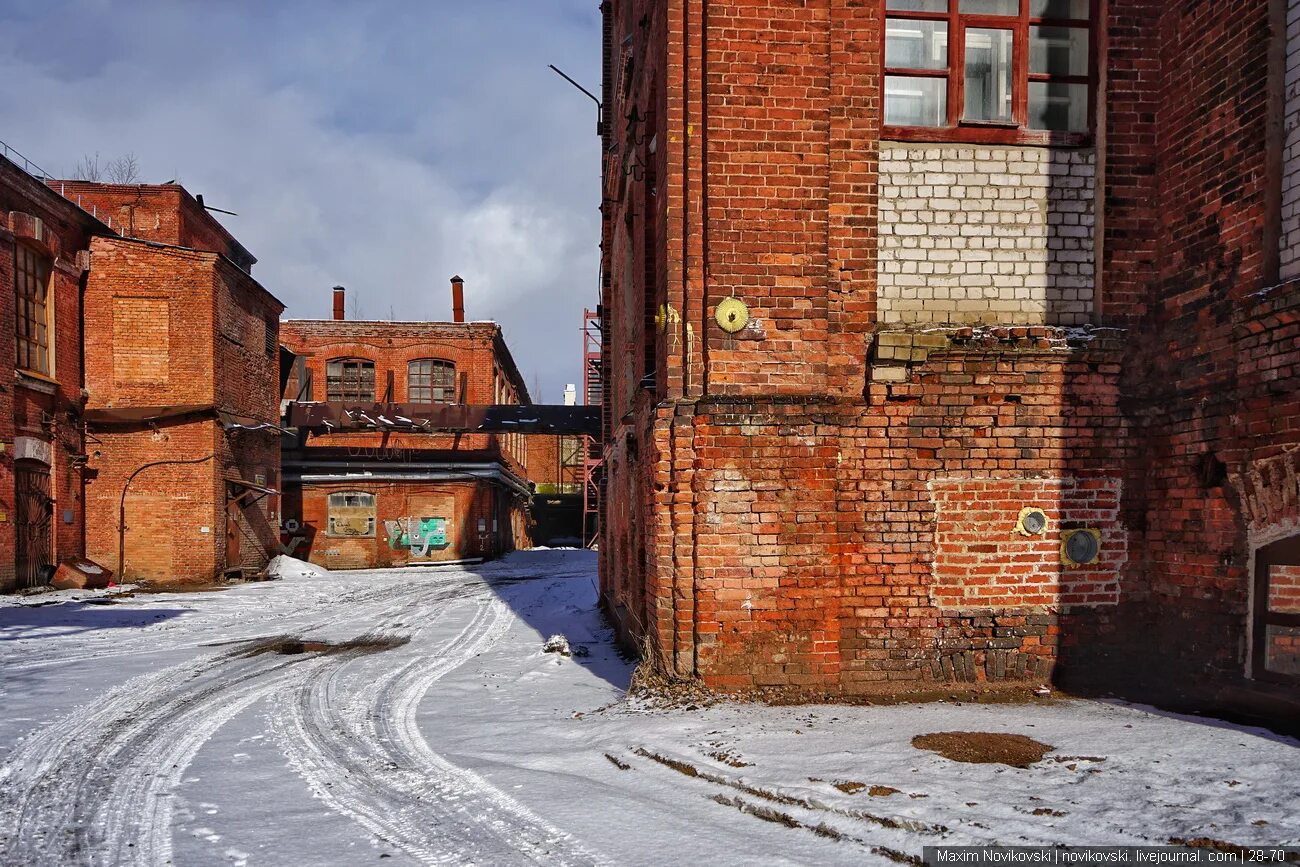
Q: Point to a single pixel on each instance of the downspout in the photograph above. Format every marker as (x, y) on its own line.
(121, 508)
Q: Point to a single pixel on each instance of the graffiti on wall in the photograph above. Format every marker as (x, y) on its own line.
(293, 535)
(420, 535)
(381, 453)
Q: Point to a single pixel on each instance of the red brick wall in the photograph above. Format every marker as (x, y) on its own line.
(981, 559)
(46, 410)
(167, 507)
(1284, 589)
(207, 322)
(131, 290)
(165, 213)
(792, 544)
(476, 348)
(465, 504)
(776, 498)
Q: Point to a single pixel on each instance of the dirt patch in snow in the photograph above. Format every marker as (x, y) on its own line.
(292, 646)
(1017, 751)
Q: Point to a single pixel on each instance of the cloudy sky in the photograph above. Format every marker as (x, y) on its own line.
(381, 145)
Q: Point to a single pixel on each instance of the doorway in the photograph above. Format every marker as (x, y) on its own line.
(33, 520)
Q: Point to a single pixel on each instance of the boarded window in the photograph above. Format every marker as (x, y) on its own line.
(350, 379)
(32, 279)
(431, 380)
(351, 513)
(141, 340)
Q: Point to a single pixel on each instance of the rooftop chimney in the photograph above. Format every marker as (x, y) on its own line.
(457, 299)
(338, 303)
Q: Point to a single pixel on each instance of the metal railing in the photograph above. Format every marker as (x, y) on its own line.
(17, 158)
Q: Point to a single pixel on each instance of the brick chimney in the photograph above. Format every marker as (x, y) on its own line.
(457, 299)
(339, 292)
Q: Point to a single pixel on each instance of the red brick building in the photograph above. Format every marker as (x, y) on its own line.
(44, 243)
(391, 493)
(182, 383)
(954, 342)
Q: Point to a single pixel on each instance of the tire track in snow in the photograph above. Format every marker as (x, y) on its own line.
(249, 625)
(361, 752)
(95, 787)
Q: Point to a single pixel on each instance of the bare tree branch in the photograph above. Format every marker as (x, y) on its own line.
(88, 169)
(123, 170)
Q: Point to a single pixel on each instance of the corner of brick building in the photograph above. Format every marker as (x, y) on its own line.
(41, 437)
(182, 367)
(826, 502)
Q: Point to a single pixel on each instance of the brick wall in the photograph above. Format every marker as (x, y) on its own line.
(484, 370)
(784, 505)
(793, 546)
(983, 555)
(986, 234)
(1284, 589)
(165, 213)
(485, 374)
(467, 506)
(1291, 154)
(40, 417)
(169, 329)
(175, 525)
(132, 292)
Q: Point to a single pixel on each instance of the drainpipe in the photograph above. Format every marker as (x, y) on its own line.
(121, 509)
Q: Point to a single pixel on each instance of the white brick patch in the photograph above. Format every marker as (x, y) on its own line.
(980, 234)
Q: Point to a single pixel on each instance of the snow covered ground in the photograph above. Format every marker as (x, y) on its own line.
(185, 729)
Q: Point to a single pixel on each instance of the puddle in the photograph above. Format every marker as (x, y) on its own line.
(982, 748)
(293, 646)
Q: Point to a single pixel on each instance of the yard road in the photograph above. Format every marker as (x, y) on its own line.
(413, 717)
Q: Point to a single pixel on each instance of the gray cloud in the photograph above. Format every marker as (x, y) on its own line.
(381, 145)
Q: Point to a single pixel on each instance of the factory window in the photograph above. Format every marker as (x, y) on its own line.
(350, 379)
(431, 380)
(351, 513)
(34, 321)
(998, 71)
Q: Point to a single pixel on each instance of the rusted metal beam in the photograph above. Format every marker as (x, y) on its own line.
(338, 417)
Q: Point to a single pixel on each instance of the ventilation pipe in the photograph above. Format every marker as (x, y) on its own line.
(457, 299)
(338, 303)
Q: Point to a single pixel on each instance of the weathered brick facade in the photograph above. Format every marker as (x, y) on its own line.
(182, 377)
(42, 504)
(942, 338)
(468, 491)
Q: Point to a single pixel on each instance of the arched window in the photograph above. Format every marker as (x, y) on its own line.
(351, 513)
(431, 380)
(350, 379)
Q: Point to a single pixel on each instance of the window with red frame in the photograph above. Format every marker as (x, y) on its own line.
(1009, 71)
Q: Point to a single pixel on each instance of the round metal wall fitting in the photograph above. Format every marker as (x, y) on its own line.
(1080, 547)
(1031, 522)
(731, 314)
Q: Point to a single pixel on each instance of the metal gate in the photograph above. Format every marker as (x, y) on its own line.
(34, 514)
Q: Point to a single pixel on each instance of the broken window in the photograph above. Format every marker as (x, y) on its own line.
(351, 513)
(431, 380)
(350, 379)
(1008, 71)
(34, 325)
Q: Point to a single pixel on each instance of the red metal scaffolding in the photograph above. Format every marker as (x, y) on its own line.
(593, 393)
